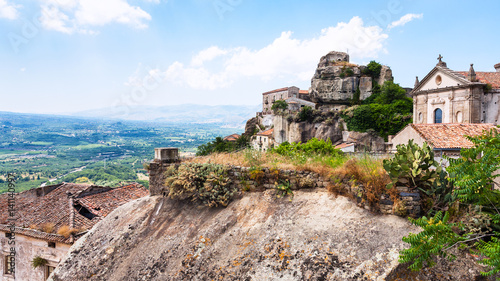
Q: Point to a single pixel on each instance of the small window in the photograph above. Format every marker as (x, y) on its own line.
(439, 80)
(9, 261)
(438, 116)
(51, 244)
(48, 270)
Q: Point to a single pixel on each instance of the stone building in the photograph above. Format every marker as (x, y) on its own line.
(268, 98)
(447, 96)
(48, 220)
(263, 140)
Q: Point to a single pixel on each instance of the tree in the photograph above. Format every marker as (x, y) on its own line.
(373, 69)
(473, 176)
(391, 92)
(279, 105)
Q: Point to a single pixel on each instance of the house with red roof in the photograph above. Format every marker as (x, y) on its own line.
(44, 222)
(263, 140)
(445, 139)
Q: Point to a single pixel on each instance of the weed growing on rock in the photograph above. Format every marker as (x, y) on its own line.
(207, 184)
(283, 189)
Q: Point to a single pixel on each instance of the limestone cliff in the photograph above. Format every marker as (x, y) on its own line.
(336, 80)
(315, 236)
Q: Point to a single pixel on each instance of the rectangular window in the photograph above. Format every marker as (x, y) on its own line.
(48, 270)
(51, 244)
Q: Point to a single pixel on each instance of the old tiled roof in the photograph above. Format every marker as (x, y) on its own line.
(104, 203)
(232, 137)
(275, 91)
(304, 92)
(343, 145)
(50, 205)
(492, 78)
(448, 136)
(267, 133)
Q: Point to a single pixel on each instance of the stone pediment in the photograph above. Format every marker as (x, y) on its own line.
(440, 77)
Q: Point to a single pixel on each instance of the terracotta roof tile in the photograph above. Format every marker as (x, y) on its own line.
(343, 145)
(304, 92)
(492, 78)
(50, 204)
(448, 136)
(275, 91)
(232, 137)
(266, 133)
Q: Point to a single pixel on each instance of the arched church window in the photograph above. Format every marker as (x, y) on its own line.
(438, 116)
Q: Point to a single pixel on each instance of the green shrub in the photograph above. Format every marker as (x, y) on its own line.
(306, 114)
(279, 105)
(38, 262)
(373, 69)
(412, 166)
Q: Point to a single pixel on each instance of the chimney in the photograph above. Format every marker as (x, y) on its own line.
(472, 74)
(416, 82)
(167, 154)
(497, 67)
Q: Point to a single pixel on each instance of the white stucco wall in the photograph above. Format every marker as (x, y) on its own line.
(404, 136)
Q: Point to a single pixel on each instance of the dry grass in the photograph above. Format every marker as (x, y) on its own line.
(47, 227)
(66, 231)
(366, 171)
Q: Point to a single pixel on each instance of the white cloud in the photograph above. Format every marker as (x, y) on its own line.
(8, 11)
(207, 55)
(404, 20)
(284, 57)
(68, 16)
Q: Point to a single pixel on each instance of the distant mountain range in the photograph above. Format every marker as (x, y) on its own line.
(227, 115)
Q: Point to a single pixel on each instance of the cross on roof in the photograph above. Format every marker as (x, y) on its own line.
(440, 57)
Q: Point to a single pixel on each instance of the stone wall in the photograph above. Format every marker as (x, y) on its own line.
(248, 179)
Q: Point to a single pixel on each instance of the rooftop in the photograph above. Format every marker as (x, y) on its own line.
(276, 91)
(267, 133)
(304, 92)
(49, 205)
(492, 78)
(449, 136)
(232, 137)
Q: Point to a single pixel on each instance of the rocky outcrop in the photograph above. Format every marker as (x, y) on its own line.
(336, 80)
(368, 141)
(315, 236)
(304, 131)
(250, 126)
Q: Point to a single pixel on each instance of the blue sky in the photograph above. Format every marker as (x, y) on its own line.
(63, 56)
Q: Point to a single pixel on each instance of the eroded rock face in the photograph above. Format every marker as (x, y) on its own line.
(315, 236)
(304, 131)
(336, 80)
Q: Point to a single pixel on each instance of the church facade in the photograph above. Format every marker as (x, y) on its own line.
(447, 96)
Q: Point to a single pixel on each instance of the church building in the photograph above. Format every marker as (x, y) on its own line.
(448, 96)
